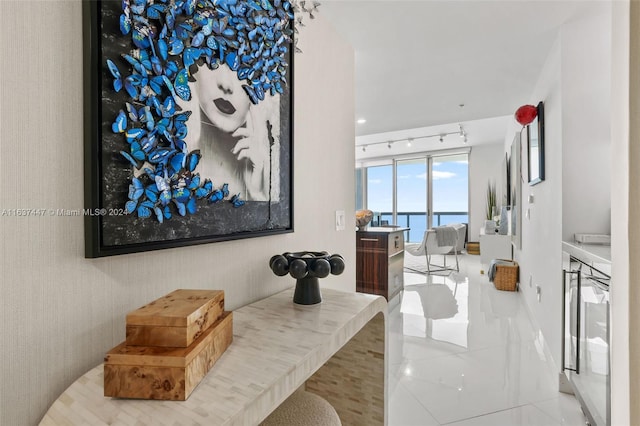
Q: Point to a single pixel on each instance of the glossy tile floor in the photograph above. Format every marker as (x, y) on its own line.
(463, 353)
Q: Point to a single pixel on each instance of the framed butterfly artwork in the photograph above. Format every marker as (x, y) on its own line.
(188, 122)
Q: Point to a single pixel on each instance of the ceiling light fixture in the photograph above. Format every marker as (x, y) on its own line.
(361, 121)
(460, 132)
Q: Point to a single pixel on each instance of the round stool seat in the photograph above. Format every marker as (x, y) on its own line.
(303, 408)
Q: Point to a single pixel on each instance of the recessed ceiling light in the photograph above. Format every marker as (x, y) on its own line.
(361, 121)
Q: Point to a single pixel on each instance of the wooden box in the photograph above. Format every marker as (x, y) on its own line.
(165, 373)
(175, 320)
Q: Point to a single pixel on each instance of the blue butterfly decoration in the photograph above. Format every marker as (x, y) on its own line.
(250, 37)
(236, 201)
(162, 183)
(219, 194)
(134, 134)
(120, 124)
(136, 189)
(165, 109)
(179, 122)
(130, 159)
(154, 11)
(181, 85)
(125, 18)
(138, 6)
(117, 77)
(141, 65)
(145, 208)
(118, 82)
(204, 190)
(256, 94)
(176, 46)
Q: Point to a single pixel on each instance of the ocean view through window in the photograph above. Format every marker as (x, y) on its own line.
(417, 193)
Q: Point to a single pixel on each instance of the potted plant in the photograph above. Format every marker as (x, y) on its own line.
(491, 200)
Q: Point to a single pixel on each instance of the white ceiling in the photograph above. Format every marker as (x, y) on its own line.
(484, 131)
(417, 61)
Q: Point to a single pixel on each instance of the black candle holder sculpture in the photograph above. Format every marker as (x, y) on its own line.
(306, 267)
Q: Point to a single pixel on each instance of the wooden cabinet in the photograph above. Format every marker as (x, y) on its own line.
(380, 261)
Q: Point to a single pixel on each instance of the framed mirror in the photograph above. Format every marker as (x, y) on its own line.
(535, 147)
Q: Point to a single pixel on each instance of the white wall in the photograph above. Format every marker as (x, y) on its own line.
(586, 135)
(540, 258)
(623, 227)
(60, 312)
(485, 163)
(575, 87)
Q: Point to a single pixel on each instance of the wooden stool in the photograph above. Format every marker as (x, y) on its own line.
(303, 408)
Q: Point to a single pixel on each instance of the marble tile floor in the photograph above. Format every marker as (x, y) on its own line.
(463, 353)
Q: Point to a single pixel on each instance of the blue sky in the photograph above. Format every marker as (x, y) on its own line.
(450, 186)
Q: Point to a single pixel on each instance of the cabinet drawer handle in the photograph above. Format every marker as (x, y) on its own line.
(368, 239)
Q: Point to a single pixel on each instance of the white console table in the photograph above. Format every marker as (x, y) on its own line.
(335, 349)
(494, 246)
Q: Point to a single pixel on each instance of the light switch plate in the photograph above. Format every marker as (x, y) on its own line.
(340, 218)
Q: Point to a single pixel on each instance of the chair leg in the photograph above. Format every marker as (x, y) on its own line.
(457, 264)
(428, 262)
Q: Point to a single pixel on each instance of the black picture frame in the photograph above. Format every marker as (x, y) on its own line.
(109, 228)
(507, 179)
(535, 147)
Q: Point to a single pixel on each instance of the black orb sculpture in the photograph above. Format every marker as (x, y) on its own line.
(306, 267)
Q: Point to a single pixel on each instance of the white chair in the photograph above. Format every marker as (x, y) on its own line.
(429, 247)
(461, 228)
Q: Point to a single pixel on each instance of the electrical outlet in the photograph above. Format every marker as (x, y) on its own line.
(530, 199)
(539, 293)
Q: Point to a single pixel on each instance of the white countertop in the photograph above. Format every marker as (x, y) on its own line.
(598, 256)
(277, 345)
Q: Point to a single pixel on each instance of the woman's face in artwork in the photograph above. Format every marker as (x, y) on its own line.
(222, 98)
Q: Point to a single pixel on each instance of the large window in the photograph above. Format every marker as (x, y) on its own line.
(450, 188)
(418, 193)
(411, 184)
(380, 192)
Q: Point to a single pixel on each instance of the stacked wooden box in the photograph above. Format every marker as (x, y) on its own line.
(171, 344)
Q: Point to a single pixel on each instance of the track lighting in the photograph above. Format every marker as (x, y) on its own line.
(441, 136)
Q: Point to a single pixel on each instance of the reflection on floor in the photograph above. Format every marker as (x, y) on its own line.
(463, 353)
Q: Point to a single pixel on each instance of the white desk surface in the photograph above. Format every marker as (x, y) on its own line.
(277, 345)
